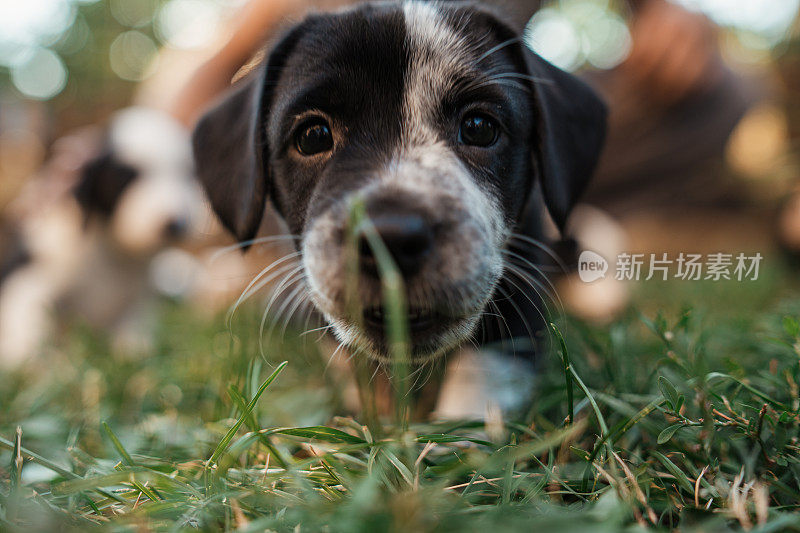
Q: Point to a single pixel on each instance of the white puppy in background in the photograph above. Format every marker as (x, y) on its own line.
(88, 228)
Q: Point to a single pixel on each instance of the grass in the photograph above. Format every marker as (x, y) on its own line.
(671, 418)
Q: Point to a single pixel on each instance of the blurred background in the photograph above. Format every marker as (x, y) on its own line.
(69, 63)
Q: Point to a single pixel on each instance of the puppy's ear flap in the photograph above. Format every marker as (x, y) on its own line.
(228, 151)
(102, 182)
(230, 144)
(571, 133)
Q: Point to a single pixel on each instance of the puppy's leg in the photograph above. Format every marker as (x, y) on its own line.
(789, 224)
(25, 322)
(602, 300)
(477, 384)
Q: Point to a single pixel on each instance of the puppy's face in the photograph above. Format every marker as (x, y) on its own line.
(144, 185)
(429, 116)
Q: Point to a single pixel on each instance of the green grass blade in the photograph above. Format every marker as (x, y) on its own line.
(50, 465)
(680, 476)
(128, 460)
(252, 423)
(567, 367)
(16, 461)
(226, 440)
(323, 433)
(396, 311)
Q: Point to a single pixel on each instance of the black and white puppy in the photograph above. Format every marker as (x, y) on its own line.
(451, 131)
(86, 231)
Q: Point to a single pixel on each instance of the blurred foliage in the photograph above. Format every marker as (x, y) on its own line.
(92, 89)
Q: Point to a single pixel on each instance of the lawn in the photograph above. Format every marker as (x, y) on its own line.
(681, 415)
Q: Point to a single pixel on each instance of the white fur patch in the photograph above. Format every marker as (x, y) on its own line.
(478, 383)
(438, 56)
(149, 139)
(165, 190)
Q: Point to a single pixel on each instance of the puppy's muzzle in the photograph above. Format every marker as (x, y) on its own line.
(410, 238)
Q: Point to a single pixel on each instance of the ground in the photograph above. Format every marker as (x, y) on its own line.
(681, 415)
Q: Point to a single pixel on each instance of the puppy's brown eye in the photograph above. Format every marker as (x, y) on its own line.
(478, 130)
(314, 138)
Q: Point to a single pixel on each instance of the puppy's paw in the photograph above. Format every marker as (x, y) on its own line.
(482, 385)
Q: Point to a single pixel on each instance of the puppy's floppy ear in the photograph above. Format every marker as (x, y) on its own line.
(102, 182)
(230, 146)
(571, 131)
(228, 157)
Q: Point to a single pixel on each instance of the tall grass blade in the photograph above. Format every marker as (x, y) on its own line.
(567, 367)
(226, 440)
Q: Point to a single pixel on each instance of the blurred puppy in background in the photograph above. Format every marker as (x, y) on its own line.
(83, 233)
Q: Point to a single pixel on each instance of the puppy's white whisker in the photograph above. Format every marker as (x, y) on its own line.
(287, 282)
(307, 331)
(336, 353)
(552, 293)
(503, 323)
(246, 293)
(258, 283)
(378, 367)
(285, 309)
(541, 281)
(513, 270)
(499, 47)
(543, 247)
(538, 310)
(520, 76)
(540, 269)
(522, 316)
(300, 300)
(417, 374)
(276, 317)
(272, 239)
(535, 284)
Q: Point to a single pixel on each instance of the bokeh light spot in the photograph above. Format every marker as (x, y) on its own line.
(551, 35)
(132, 54)
(31, 21)
(188, 24)
(771, 18)
(76, 39)
(133, 13)
(42, 76)
(607, 42)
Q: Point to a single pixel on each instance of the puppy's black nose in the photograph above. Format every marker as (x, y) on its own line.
(176, 228)
(408, 237)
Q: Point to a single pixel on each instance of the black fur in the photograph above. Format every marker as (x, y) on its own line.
(13, 252)
(103, 181)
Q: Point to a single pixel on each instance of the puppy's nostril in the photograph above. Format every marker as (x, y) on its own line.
(407, 237)
(176, 228)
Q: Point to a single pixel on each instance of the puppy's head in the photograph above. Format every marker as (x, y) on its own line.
(143, 184)
(438, 119)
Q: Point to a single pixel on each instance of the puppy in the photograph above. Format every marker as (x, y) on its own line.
(86, 230)
(456, 137)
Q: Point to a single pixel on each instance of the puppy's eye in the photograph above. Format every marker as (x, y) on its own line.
(478, 130)
(314, 138)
